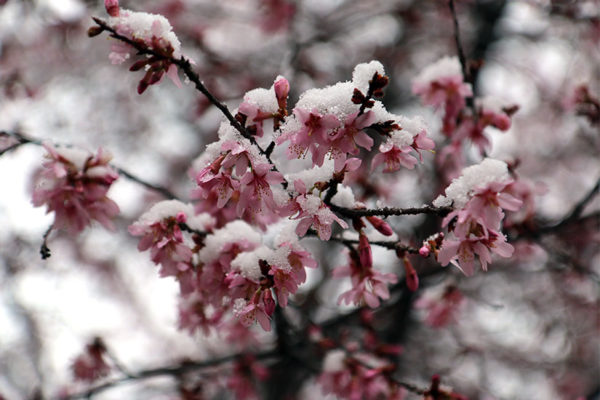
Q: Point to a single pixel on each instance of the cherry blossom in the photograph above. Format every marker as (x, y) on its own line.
(442, 85)
(151, 31)
(313, 212)
(74, 184)
(368, 284)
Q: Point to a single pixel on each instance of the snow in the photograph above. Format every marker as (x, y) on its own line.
(344, 197)
(313, 175)
(363, 73)
(142, 25)
(334, 361)
(247, 262)
(460, 190)
(231, 233)
(264, 99)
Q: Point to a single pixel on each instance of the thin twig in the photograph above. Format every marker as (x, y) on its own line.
(462, 58)
(389, 211)
(157, 188)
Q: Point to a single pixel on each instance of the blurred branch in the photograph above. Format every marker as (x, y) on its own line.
(22, 139)
(175, 371)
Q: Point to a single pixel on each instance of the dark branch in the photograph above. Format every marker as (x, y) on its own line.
(388, 211)
(462, 58)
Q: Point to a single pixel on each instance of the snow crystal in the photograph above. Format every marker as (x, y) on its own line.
(231, 233)
(446, 66)
(363, 73)
(460, 190)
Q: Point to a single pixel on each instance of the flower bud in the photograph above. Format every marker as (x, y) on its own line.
(112, 7)
(412, 279)
(383, 227)
(364, 250)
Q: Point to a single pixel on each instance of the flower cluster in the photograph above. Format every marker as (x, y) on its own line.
(74, 184)
(442, 85)
(160, 229)
(358, 376)
(331, 122)
(368, 284)
(148, 31)
(441, 308)
(478, 197)
(226, 263)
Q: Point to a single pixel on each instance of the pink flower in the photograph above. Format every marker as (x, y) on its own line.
(347, 377)
(260, 309)
(489, 114)
(393, 157)
(398, 148)
(461, 252)
(347, 139)
(368, 284)
(277, 15)
(442, 85)
(112, 7)
(243, 377)
(74, 184)
(313, 212)
(255, 189)
(254, 116)
(441, 310)
(282, 90)
(195, 314)
(161, 233)
(312, 136)
(149, 30)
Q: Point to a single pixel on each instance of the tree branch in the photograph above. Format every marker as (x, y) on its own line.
(175, 371)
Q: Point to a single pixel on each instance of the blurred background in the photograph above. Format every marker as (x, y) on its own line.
(529, 328)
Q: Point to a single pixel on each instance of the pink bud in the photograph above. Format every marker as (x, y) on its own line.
(412, 279)
(180, 217)
(424, 251)
(112, 7)
(282, 88)
(364, 250)
(383, 227)
(269, 303)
